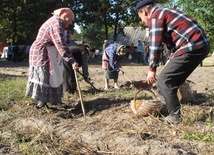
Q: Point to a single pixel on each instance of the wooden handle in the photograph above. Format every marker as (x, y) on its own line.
(127, 77)
(80, 92)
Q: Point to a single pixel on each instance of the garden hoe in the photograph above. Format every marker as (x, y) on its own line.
(142, 84)
(89, 82)
(80, 92)
(127, 78)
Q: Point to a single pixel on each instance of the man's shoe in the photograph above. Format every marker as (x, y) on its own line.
(40, 104)
(172, 119)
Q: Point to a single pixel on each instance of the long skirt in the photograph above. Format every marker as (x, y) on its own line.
(111, 74)
(38, 86)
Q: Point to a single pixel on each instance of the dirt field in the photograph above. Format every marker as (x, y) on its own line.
(110, 127)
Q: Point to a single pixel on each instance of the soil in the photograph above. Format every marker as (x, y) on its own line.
(110, 126)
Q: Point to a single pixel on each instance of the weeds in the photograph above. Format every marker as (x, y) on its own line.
(199, 137)
(13, 90)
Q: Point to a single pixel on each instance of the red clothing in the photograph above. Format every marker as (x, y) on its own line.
(180, 32)
(51, 33)
(132, 49)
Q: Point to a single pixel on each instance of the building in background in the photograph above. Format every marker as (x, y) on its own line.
(131, 35)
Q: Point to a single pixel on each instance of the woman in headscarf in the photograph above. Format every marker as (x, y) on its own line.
(45, 59)
(110, 63)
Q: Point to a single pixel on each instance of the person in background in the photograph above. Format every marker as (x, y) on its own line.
(45, 59)
(10, 53)
(88, 47)
(81, 55)
(97, 53)
(21, 53)
(111, 58)
(105, 44)
(16, 50)
(132, 52)
(139, 51)
(166, 53)
(189, 46)
(27, 52)
(145, 52)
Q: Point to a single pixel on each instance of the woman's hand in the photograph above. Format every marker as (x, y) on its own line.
(75, 66)
(121, 72)
(151, 77)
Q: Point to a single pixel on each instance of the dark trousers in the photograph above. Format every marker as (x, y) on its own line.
(138, 57)
(175, 73)
(69, 81)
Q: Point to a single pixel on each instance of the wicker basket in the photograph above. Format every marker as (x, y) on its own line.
(146, 107)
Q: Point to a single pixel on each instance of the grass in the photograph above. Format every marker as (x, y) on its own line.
(197, 124)
(198, 137)
(13, 90)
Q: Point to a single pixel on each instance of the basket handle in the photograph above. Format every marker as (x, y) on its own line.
(144, 90)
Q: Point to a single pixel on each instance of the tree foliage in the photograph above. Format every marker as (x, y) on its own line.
(203, 12)
(109, 14)
(21, 19)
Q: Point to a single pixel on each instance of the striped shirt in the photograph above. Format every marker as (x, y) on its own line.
(51, 33)
(180, 32)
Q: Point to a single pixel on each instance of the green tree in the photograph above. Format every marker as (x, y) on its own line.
(110, 14)
(203, 12)
(21, 19)
(94, 34)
